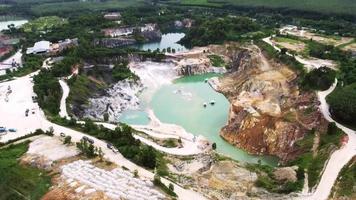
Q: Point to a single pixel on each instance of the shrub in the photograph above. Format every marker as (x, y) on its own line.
(67, 140)
(213, 146)
(106, 117)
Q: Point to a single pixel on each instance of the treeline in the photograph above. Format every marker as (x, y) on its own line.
(281, 57)
(324, 51)
(48, 91)
(217, 30)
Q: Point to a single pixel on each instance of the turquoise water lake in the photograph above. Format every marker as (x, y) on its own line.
(182, 102)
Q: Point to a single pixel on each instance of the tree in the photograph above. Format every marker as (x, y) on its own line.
(100, 153)
(67, 140)
(157, 180)
(106, 117)
(213, 146)
(319, 79)
(86, 148)
(171, 187)
(284, 51)
(148, 157)
(50, 131)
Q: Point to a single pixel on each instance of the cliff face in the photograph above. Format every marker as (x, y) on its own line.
(195, 61)
(268, 113)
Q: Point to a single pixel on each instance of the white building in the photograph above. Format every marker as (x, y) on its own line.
(112, 16)
(39, 47)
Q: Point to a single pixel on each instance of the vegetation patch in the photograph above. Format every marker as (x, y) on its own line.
(267, 180)
(281, 57)
(346, 182)
(313, 162)
(168, 190)
(318, 79)
(218, 30)
(122, 139)
(18, 181)
(31, 64)
(44, 24)
(342, 103)
(216, 60)
(48, 91)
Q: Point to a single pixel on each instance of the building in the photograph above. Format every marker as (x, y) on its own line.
(52, 48)
(117, 32)
(126, 31)
(39, 47)
(63, 45)
(112, 16)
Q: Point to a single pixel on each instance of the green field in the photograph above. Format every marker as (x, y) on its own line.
(18, 181)
(44, 23)
(324, 6)
(286, 40)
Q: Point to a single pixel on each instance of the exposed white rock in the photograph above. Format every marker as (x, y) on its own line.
(120, 97)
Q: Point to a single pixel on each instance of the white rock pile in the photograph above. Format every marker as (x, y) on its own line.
(120, 97)
(116, 184)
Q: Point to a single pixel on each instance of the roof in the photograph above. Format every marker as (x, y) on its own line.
(41, 46)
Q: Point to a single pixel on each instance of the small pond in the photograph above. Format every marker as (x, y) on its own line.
(168, 40)
(4, 24)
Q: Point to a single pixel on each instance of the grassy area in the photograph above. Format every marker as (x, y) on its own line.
(44, 23)
(17, 181)
(286, 40)
(347, 181)
(341, 46)
(170, 143)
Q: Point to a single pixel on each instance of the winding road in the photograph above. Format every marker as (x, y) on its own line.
(189, 146)
(13, 116)
(65, 92)
(20, 99)
(340, 157)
